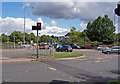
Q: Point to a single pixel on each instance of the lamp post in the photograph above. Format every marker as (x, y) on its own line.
(24, 24)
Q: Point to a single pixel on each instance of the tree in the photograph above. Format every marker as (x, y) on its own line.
(4, 37)
(101, 30)
(17, 35)
(32, 37)
(77, 37)
(44, 38)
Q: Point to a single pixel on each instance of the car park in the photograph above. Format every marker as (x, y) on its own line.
(50, 45)
(75, 46)
(57, 45)
(66, 48)
(43, 46)
(114, 49)
(102, 47)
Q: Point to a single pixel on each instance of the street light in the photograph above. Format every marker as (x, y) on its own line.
(24, 24)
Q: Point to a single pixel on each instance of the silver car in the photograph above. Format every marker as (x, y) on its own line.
(114, 49)
(102, 47)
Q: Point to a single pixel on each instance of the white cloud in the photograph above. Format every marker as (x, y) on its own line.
(10, 24)
(85, 11)
(53, 23)
(83, 26)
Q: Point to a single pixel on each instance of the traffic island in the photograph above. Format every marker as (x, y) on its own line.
(67, 56)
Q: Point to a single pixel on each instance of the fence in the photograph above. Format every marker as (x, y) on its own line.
(12, 46)
(24, 52)
(41, 52)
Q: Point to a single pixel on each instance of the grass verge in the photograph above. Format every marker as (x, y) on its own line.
(67, 55)
(114, 82)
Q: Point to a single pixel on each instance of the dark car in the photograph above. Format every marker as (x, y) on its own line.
(115, 49)
(75, 46)
(66, 48)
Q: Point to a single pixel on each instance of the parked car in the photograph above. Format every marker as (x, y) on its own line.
(75, 46)
(66, 48)
(57, 45)
(43, 46)
(49, 45)
(102, 47)
(114, 49)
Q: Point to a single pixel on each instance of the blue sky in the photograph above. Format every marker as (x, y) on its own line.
(55, 17)
(15, 9)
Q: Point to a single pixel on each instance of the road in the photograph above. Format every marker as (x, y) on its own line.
(94, 67)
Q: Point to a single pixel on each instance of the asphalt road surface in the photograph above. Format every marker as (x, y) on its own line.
(94, 67)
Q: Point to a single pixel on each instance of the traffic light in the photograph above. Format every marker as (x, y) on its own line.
(38, 27)
(39, 24)
(117, 10)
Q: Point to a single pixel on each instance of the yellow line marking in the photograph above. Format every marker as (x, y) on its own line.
(100, 58)
(97, 61)
(52, 68)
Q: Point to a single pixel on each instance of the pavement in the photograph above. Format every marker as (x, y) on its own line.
(8, 59)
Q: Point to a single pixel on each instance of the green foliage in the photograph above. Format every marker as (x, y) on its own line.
(44, 38)
(101, 30)
(17, 35)
(32, 37)
(77, 37)
(115, 82)
(4, 38)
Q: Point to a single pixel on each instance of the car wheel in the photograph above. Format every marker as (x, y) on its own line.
(108, 52)
(98, 49)
(66, 50)
(57, 50)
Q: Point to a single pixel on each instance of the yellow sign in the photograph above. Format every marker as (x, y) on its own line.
(36, 46)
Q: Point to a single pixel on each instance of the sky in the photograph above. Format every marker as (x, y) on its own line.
(56, 18)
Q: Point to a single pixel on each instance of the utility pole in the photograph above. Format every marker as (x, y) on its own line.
(14, 40)
(114, 24)
(37, 43)
(7, 41)
(117, 12)
(24, 24)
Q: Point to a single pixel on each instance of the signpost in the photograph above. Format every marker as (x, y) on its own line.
(38, 27)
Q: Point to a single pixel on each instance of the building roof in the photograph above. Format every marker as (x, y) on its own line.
(68, 34)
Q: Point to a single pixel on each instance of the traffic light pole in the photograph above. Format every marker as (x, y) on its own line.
(37, 44)
(38, 27)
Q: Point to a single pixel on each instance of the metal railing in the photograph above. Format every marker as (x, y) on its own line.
(25, 51)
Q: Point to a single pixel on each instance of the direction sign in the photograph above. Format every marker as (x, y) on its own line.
(36, 28)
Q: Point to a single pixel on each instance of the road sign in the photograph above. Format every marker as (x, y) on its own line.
(36, 46)
(36, 28)
(31, 41)
(53, 41)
